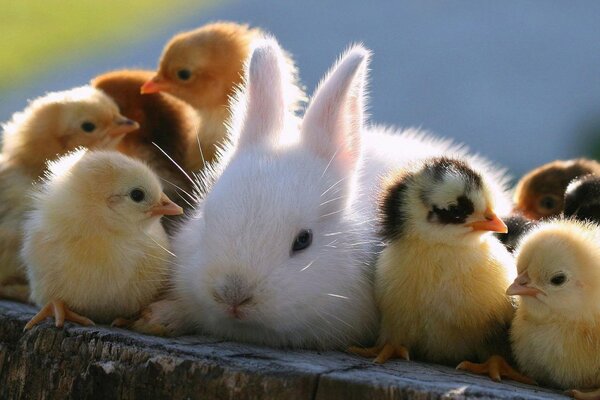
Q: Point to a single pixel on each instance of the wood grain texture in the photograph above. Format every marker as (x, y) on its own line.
(108, 363)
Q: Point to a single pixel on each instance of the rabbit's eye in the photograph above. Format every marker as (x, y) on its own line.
(303, 240)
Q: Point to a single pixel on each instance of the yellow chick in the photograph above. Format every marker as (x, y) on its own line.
(49, 127)
(203, 67)
(440, 283)
(556, 331)
(94, 246)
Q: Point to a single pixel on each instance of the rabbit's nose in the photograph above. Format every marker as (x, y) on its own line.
(235, 294)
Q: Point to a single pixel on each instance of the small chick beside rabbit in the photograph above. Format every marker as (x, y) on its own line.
(556, 331)
(50, 126)
(94, 246)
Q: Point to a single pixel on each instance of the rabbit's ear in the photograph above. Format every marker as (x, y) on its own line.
(268, 78)
(334, 119)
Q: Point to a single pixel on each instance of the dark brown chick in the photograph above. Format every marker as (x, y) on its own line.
(164, 120)
(540, 193)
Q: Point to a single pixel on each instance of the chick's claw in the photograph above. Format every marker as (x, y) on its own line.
(391, 351)
(595, 395)
(60, 312)
(496, 368)
(381, 353)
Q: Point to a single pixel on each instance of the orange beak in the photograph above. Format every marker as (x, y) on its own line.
(165, 206)
(154, 85)
(519, 287)
(122, 126)
(491, 223)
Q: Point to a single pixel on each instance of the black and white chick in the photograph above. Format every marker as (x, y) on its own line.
(440, 283)
(582, 199)
(518, 226)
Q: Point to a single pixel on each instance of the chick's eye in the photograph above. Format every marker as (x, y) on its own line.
(548, 202)
(88, 127)
(137, 195)
(454, 213)
(184, 74)
(303, 240)
(558, 279)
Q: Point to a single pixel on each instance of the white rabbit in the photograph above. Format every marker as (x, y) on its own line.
(280, 249)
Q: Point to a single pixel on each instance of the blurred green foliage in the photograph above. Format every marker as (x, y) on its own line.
(35, 34)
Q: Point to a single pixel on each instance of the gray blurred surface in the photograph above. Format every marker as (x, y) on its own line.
(515, 80)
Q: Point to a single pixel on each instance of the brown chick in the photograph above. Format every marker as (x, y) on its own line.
(167, 130)
(203, 67)
(540, 193)
(49, 127)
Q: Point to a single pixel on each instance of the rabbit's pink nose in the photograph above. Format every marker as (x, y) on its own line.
(235, 309)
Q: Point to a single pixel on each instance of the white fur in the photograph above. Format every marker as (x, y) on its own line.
(327, 181)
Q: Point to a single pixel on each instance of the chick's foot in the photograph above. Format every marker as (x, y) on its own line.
(60, 312)
(381, 353)
(595, 395)
(496, 368)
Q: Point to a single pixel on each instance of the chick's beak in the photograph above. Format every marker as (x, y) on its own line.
(122, 126)
(520, 287)
(165, 206)
(154, 85)
(491, 223)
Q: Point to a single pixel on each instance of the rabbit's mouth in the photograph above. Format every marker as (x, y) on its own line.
(236, 308)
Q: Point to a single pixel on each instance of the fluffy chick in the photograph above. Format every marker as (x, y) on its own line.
(556, 331)
(518, 225)
(540, 193)
(203, 67)
(440, 283)
(94, 246)
(582, 199)
(166, 139)
(50, 126)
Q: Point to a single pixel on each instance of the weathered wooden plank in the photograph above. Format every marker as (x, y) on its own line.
(108, 363)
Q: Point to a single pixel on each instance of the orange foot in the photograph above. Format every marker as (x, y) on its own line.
(595, 395)
(381, 353)
(495, 367)
(60, 312)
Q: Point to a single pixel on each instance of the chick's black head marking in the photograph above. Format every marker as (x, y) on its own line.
(582, 199)
(436, 184)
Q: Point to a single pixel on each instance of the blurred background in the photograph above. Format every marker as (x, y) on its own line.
(518, 81)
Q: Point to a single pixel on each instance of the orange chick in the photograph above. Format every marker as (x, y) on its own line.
(50, 126)
(203, 67)
(540, 193)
